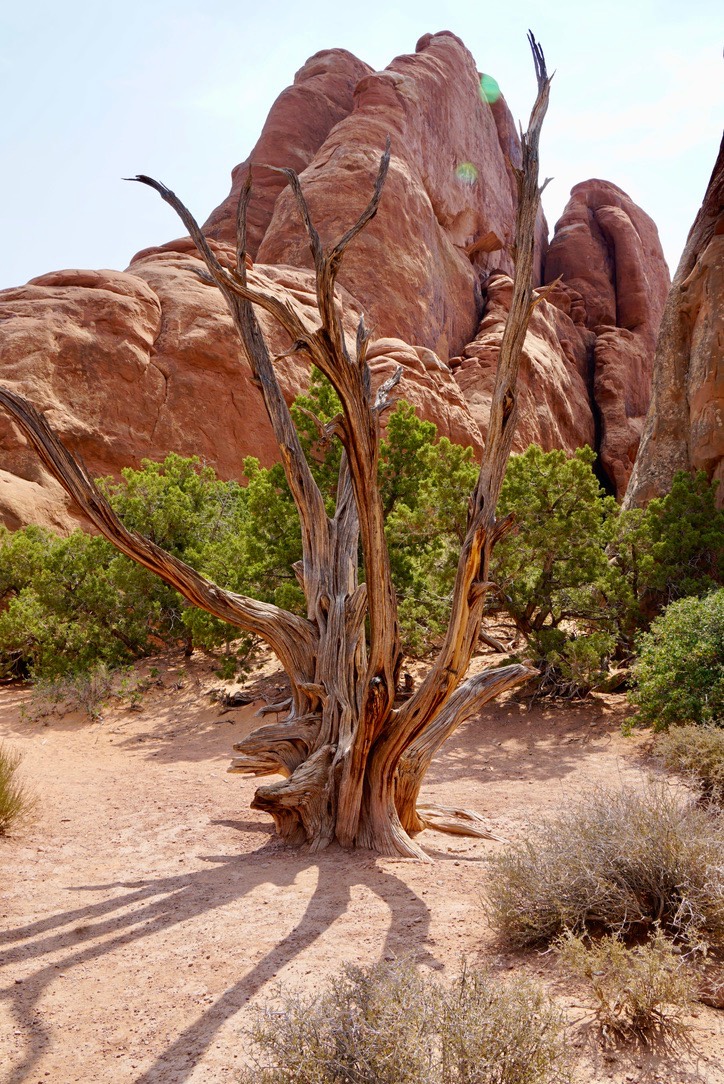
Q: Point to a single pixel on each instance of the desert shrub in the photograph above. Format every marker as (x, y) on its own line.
(71, 604)
(640, 992)
(672, 549)
(15, 802)
(679, 673)
(86, 691)
(553, 575)
(614, 862)
(697, 752)
(391, 1025)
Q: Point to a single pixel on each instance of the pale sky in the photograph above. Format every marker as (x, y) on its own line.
(178, 89)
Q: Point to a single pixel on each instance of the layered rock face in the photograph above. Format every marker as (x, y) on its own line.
(134, 364)
(685, 426)
(448, 211)
(608, 249)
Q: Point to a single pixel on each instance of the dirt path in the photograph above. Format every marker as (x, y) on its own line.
(147, 907)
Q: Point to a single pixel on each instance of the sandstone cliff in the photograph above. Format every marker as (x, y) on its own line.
(130, 364)
(685, 426)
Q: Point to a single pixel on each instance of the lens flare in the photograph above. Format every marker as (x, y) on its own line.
(466, 173)
(489, 89)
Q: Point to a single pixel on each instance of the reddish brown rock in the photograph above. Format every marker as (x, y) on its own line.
(554, 403)
(428, 384)
(299, 121)
(608, 250)
(135, 364)
(685, 424)
(132, 365)
(447, 211)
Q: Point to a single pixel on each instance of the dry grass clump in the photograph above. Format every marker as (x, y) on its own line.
(392, 1025)
(615, 862)
(87, 691)
(14, 800)
(639, 993)
(698, 752)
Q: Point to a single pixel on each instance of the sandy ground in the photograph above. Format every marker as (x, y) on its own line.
(147, 908)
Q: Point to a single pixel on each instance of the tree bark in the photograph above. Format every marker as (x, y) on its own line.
(351, 763)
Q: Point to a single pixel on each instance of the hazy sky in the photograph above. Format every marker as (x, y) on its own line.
(93, 92)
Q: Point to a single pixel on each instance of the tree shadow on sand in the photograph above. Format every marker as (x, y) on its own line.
(154, 905)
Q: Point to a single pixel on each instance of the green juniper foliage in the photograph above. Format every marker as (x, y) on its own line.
(679, 673)
(553, 574)
(578, 577)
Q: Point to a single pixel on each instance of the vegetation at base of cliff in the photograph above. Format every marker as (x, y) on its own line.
(679, 672)
(579, 578)
(391, 1024)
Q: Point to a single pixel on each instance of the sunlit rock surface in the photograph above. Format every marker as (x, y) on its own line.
(134, 364)
(685, 425)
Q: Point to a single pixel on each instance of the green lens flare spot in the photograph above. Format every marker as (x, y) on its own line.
(466, 173)
(489, 89)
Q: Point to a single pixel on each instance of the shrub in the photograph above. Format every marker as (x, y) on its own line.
(615, 862)
(14, 800)
(672, 548)
(679, 674)
(553, 575)
(697, 752)
(87, 691)
(390, 1025)
(640, 992)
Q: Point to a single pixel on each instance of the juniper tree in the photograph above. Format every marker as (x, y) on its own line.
(351, 760)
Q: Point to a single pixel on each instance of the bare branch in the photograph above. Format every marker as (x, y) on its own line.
(382, 400)
(335, 256)
(292, 638)
(418, 715)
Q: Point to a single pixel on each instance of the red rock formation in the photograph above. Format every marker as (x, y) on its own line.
(135, 364)
(555, 409)
(447, 212)
(132, 365)
(608, 250)
(685, 424)
(299, 121)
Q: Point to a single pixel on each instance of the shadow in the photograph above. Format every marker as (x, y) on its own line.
(542, 743)
(151, 906)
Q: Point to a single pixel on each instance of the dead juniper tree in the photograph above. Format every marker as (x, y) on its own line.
(352, 762)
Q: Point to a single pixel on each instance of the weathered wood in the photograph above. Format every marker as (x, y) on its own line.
(351, 761)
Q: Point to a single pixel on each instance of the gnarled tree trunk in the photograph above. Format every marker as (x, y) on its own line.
(351, 762)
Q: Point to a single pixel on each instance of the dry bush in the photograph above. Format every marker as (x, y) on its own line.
(15, 803)
(640, 992)
(392, 1025)
(697, 752)
(87, 691)
(615, 862)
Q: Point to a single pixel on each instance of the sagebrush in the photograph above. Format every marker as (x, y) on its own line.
(15, 802)
(390, 1024)
(621, 862)
(640, 992)
(698, 753)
